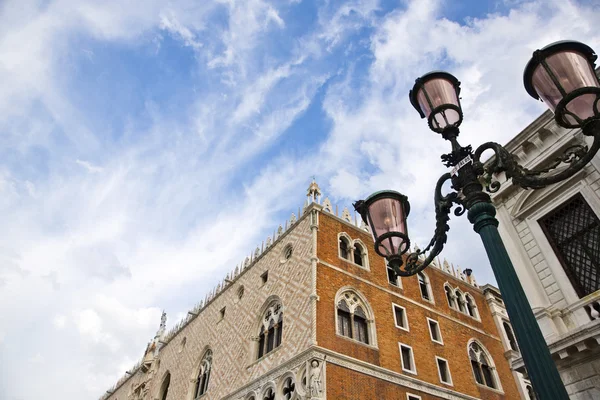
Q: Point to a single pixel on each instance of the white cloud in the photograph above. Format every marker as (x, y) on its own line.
(60, 321)
(82, 240)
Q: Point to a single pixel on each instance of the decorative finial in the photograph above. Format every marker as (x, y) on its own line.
(314, 192)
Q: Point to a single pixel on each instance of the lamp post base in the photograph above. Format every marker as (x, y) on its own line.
(541, 368)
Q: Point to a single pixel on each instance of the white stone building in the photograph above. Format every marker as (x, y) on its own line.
(553, 238)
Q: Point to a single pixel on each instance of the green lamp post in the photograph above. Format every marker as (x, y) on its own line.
(562, 75)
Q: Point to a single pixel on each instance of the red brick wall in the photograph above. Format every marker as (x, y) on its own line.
(346, 384)
(455, 335)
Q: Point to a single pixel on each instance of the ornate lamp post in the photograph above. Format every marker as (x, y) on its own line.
(562, 75)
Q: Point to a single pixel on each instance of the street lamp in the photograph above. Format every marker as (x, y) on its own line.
(562, 75)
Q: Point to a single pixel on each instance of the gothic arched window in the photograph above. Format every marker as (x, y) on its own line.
(203, 374)
(271, 329)
(360, 255)
(344, 248)
(471, 306)
(164, 388)
(450, 296)
(510, 336)
(482, 364)
(269, 394)
(460, 300)
(424, 286)
(288, 389)
(352, 318)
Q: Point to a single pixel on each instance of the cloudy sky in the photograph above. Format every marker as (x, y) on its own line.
(147, 147)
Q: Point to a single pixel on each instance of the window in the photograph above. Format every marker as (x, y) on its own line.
(164, 388)
(203, 375)
(407, 359)
(410, 396)
(240, 292)
(265, 277)
(434, 331)
(460, 300)
(271, 329)
(288, 389)
(359, 254)
(352, 318)
(269, 394)
(344, 248)
(573, 230)
(400, 317)
(424, 286)
(222, 312)
(510, 336)
(287, 252)
(483, 370)
(443, 371)
(393, 278)
(450, 296)
(471, 307)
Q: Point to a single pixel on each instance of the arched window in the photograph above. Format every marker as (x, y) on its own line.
(483, 369)
(203, 375)
(450, 296)
(164, 388)
(510, 336)
(359, 254)
(344, 248)
(271, 329)
(424, 286)
(352, 318)
(289, 388)
(460, 301)
(269, 394)
(471, 306)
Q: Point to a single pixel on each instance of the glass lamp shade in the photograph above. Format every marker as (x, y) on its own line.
(385, 212)
(562, 75)
(435, 96)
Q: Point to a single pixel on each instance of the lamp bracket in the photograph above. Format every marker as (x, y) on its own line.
(418, 260)
(574, 158)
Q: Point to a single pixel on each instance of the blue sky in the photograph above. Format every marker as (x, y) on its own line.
(148, 147)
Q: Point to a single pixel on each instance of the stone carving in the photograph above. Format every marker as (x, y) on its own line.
(246, 262)
(315, 384)
(256, 252)
(292, 219)
(279, 231)
(268, 241)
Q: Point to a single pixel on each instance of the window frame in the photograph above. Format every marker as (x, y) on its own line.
(368, 316)
(412, 359)
(427, 286)
(398, 283)
(404, 315)
(437, 363)
(491, 365)
(411, 396)
(264, 277)
(439, 331)
(565, 267)
(269, 338)
(343, 236)
(353, 245)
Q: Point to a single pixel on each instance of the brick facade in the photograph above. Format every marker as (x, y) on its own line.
(456, 328)
(321, 363)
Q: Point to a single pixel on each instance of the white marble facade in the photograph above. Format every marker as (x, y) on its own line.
(570, 324)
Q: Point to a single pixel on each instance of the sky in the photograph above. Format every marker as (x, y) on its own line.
(147, 147)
